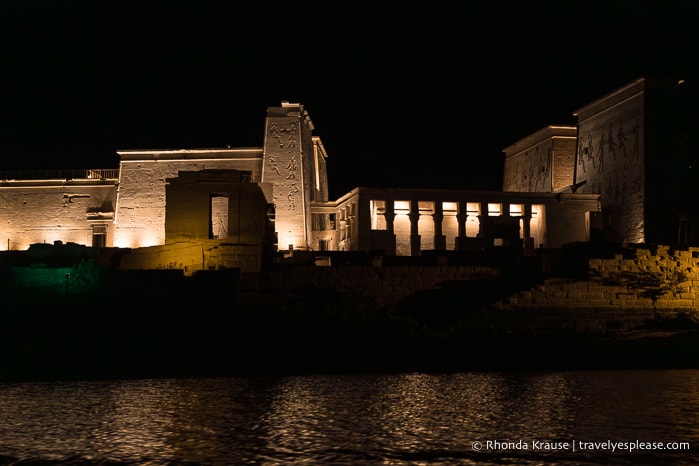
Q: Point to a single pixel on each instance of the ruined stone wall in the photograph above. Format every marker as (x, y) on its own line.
(615, 290)
(140, 216)
(365, 286)
(190, 215)
(190, 257)
(45, 212)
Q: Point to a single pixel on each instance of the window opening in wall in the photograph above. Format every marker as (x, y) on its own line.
(99, 236)
(323, 245)
(218, 218)
(378, 214)
(319, 222)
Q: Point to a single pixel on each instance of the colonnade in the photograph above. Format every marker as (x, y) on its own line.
(485, 212)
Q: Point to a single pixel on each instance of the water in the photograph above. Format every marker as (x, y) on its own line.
(400, 419)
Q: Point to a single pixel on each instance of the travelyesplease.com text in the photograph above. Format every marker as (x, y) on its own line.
(578, 445)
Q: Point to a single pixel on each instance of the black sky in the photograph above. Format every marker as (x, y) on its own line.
(427, 95)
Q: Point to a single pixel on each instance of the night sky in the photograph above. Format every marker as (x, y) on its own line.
(401, 95)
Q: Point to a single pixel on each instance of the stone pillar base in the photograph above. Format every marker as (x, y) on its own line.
(414, 245)
(440, 242)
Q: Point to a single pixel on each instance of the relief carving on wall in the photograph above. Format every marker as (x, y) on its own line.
(291, 167)
(285, 136)
(608, 158)
(273, 162)
(530, 172)
(291, 196)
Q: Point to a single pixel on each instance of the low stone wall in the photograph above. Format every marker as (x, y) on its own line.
(619, 290)
(192, 256)
(367, 286)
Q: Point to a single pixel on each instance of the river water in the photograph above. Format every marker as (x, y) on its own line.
(396, 419)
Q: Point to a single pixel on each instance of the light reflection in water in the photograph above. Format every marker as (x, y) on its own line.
(353, 419)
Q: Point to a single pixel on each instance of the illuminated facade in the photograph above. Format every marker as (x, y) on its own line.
(68, 205)
(405, 222)
(248, 196)
(635, 148)
(227, 207)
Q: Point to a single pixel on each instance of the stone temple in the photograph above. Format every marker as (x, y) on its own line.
(194, 209)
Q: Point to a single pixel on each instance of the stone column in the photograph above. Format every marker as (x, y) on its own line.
(440, 242)
(389, 215)
(414, 216)
(483, 220)
(526, 230)
(461, 217)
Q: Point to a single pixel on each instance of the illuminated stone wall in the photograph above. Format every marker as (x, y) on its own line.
(141, 202)
(589, 303)
(542, 162)
(407, 221)
(294, 164)
(610, 159)
(191, 256)
(51, 210)
(191, 214)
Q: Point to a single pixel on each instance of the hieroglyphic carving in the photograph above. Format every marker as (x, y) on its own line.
(291, 167)
(529, 171)
(286, 131)
(285, 137)
(603, 155)
(291, 196)
(273, 163)
(609, 163)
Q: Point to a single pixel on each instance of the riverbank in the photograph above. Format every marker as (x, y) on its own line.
(82, 317)
(85, 337)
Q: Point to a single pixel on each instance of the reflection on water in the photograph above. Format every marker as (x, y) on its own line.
(352, 419)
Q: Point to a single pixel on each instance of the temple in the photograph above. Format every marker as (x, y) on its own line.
(616, 176)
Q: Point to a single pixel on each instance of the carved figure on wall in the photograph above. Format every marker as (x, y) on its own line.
(288, 131)
(291, 166)
(636, 135)
(585, 152)
(545, 170)
(610, 141)
(621, 139)
(291, 196)
(220, 229)
(600, 155)
(292, 137)
(273, 162)
(276, 134)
